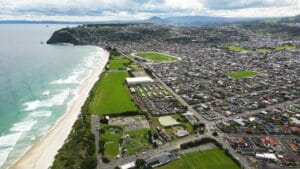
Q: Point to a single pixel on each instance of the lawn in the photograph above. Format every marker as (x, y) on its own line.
(111, 150)
(118, 63)
(111, 95)
(155, 56)
(236, 48)
(136, 142)
(112, 137)
(284, 47)
(263, 51)
(209, 159)
(242, 74)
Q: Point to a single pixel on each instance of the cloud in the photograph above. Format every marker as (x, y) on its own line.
(141, 9)
(242, 4)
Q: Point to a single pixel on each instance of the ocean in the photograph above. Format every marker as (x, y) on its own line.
(37, 84)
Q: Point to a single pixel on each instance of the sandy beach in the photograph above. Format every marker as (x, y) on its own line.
(42, 153)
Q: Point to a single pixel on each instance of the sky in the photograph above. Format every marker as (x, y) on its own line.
(104, 10)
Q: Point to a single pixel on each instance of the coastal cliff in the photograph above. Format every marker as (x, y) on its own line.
(65, 35)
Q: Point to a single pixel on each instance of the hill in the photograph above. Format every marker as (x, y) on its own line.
(198, 20)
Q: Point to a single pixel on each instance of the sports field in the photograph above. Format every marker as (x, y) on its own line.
(155, 56)
(111, 95)
(209, 159)
(242, 74)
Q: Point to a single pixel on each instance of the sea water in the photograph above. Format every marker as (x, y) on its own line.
(37, 83)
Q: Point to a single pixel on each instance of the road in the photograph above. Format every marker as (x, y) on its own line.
(95, 130)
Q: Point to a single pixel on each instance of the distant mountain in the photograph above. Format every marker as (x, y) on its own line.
(179, 20)
(284, 20)
(287, 26)
(156, 19)
(198, 20)
(294, 19)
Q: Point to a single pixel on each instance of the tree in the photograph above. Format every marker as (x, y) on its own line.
(215, 134)
(105, 160)
(89, 162)
(141, 164)
(150, 137)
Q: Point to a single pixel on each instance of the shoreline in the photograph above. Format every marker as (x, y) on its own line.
(41, 154)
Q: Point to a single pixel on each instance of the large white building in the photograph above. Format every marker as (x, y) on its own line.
(138, 80)
(266, 156)
(128, 165)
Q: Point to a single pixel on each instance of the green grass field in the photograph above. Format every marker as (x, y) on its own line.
(111, 150)
(111, 95)
(236, 48)
(263, 51)
(155, 56)
(136, 142)
(118, 63)
(209, 159)
(242, 74)
(112, 137)
(284, 47)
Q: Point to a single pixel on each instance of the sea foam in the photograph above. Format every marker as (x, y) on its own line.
(23, 126)
(69, 80)
(9, 139)
(72, 79)
(46, 93)
(55, 100)
(41, 113)
(31, 105)
(4, 154)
